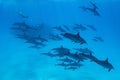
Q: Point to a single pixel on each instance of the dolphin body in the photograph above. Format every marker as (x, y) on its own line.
(41, 39)
(35, 42)
(84, 50)
(62, 49)
(93, 10)
(24, 25)
(62, 64)
(76, 56)
(21, 24)
(99, 39)
(55, 37)
(66, 27)
(75, 38)
(22, 15)
(75, 64)
(59, 28)
(105, 64)
(90, 56)
(79, 27)
(65, 60)
(92, 27)
(93, 4)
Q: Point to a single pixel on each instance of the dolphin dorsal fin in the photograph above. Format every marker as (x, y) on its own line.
(78, 34)
(106, 60)
(61, 46)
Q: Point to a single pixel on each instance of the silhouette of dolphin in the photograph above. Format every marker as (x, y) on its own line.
(105, 64)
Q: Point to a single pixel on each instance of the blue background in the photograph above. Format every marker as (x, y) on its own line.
(18, 62)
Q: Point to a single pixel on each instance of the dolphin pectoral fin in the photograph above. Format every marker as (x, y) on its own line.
(109, 69)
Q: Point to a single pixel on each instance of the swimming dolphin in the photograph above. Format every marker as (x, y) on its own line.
(61, 48)
(59, 28)
(55, 37)
(75, 38)
(79, 27)
(65, 60)
(66, 27)
(61, 51)
(92, 27)
(62, 64)
(35, 42)
(21, 24)
(84, 50)
(93, 4)
(22, 15)
(23, 36)
(89, 56)
(93, 10)
(75, 64)
(41, 39)
(99, 38)
(76, 56)
(105, 64)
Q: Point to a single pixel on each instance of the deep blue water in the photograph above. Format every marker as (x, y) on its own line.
(19, 62)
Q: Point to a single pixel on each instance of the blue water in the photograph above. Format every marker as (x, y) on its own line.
(18, 62)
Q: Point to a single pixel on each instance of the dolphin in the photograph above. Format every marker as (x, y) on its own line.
(59, 28)
(75, 64)
(65, 60)
(99, 38)
(61, 48)
(89, 56)
(93, 10)
(22, 15)
(21, 24)
(92, 27)
(35, 42)
(84, 50)
(55, 37)
(75, 38)
(62, 64)
(105, 64)
(93, 4)
(66, 27)
(79, 26)
(41, 39)
(76, 56)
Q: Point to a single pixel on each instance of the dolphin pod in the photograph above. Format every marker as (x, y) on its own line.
(38, 36)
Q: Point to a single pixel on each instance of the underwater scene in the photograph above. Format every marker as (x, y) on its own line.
(60, 40)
